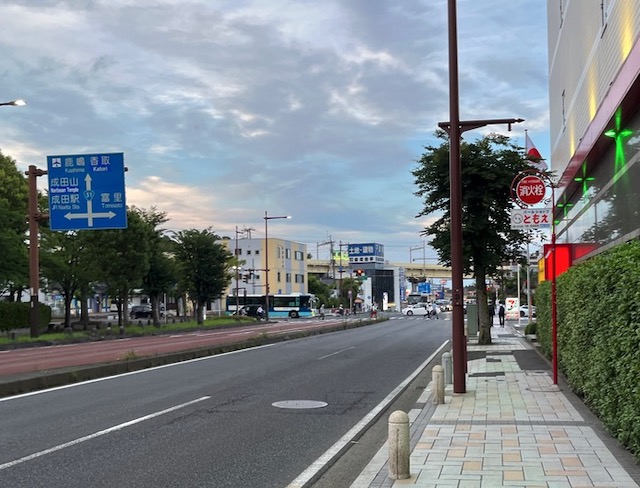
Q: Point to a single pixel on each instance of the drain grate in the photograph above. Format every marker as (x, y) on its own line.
(299, 404)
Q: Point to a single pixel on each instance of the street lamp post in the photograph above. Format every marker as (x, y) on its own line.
(455, 127)
(267, 218)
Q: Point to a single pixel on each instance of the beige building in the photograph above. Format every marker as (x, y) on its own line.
(287, 266)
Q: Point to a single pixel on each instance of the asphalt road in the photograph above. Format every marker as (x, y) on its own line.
(211, 422)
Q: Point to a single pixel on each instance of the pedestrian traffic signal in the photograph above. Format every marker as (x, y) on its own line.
(359, 272)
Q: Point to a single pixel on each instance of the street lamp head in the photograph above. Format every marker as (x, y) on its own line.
(16, 103)
(269, 217)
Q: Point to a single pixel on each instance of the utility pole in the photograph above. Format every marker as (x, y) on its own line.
(34, 218)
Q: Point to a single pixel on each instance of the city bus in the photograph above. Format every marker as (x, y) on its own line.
(292, 305)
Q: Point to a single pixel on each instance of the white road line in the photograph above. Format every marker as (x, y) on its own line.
(140, 371)
(334, 353)
(98, 434)
(318, 466)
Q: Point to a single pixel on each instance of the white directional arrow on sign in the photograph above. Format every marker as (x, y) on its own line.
(89, 215)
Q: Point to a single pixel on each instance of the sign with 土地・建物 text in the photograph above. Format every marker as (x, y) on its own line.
(86, 191)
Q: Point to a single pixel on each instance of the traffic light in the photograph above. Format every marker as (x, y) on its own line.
(245, 278)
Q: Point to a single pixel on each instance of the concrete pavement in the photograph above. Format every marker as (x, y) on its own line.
(513, 427)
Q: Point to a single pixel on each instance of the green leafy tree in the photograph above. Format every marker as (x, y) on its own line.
(488, 168)
(204, 264)
(66, 263)
(348, 285)
(121, 258)
(14, 195)
(162, 275)
(321, 290)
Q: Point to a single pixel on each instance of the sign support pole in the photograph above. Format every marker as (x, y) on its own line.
(34, 258)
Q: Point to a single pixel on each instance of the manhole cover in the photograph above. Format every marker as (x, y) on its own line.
(299, 404)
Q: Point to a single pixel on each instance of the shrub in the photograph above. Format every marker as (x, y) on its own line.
(15, 315)
(598, 312)
(530, 329)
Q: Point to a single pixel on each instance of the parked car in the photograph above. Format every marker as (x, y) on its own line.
(419, 309)
(143, 311)
(524, 311)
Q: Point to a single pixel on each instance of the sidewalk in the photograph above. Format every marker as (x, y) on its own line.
(513, 427)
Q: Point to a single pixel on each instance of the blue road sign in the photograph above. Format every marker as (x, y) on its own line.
(86, 191)
(424, 287)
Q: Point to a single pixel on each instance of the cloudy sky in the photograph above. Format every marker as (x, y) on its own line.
(227, 108)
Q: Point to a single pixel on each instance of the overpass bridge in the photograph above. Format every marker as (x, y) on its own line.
(415, 271)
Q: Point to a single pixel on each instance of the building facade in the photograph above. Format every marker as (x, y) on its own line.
(287, 262)
(594, 99)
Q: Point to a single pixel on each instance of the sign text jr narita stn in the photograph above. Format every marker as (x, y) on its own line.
(86, 191)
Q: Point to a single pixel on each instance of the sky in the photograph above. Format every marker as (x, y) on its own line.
(225, 109)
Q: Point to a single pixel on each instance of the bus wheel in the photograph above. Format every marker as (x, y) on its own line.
(293, 314)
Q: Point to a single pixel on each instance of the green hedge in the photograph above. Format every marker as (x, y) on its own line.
(598, 311)
(15, 315)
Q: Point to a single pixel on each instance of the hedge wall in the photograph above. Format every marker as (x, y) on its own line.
(15, 315)
(598, 310)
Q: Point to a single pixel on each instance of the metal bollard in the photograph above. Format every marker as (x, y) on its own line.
(437, 381)
(448, 368)
(399, 449)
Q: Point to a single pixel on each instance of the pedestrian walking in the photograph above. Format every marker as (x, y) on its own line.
(321, 311)
(492, 312)
(501, 314)
(434, 311)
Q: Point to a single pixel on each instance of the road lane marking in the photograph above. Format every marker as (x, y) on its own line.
(98, 434)
(140, 371)
(337, 352)
(320, 465)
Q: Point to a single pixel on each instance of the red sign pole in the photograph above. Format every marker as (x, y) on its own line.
(525, 190)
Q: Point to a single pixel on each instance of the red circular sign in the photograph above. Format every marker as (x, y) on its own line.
(531, 190)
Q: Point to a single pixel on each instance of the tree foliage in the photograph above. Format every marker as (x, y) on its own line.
(488, 167)
(66, 262)
(14, 192)
(204, 265)
(162, 274)
(121, 257)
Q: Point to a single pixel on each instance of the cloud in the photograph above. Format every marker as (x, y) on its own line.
(226, 109)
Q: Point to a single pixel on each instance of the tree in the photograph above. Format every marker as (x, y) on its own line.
(65, 262)
(162, 272)
(14, 195)
(204, 265)
(321, 290)
(488, 168)
(121, 258)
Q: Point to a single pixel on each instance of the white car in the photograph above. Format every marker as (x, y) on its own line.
(419, 309)
(524, 311)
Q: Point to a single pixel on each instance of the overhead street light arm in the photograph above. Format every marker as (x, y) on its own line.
(465, 125)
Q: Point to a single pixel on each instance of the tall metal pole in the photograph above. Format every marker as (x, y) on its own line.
(266, 265)
(458, 339)
(267, 218)
(237, 275)
(554, 310)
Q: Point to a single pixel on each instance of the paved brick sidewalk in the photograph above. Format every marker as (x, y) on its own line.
(513, 427)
